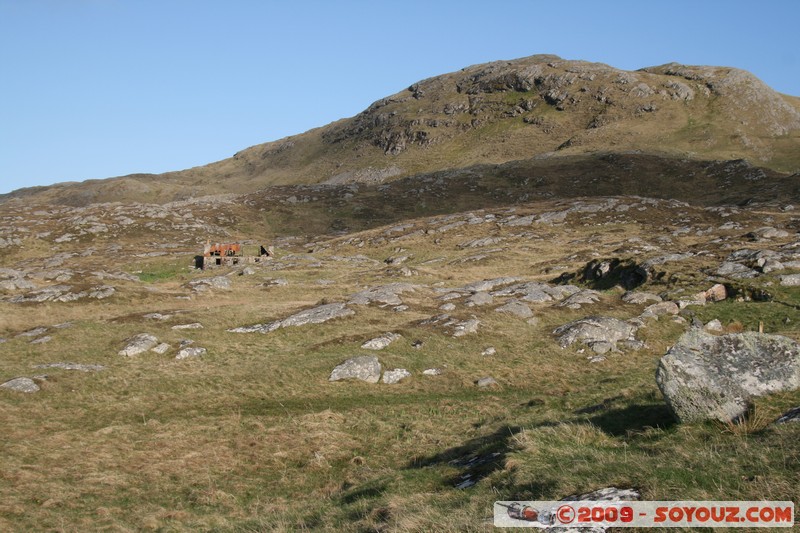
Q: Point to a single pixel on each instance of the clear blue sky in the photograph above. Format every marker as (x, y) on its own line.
(101, 88)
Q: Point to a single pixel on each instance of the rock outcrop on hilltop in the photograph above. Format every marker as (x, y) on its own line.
(538, 106)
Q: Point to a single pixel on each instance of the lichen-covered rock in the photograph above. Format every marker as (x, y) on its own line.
(21, 385)
(390, 377)
(516, 308)
(139, 344)
(639, 297)
(592, 329)
(379, 343)
(384, 294)
(365, 367)
(190, 351)
(705, 377)
(315, 315)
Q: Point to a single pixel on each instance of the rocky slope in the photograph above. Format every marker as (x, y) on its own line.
(541, 106)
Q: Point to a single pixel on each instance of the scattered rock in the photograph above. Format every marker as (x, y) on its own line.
(716, 293)
(594, 329)
(608, 494)
(767, 233)
(366, 368)
(707, 377)
(157, 316)
(379, 343)
(35, 332)
(161, 349)
(384, 294)
(516, 308)
(315, 315)
(582, 297)
(735, 270)
(488, 381)
(417, 344)
(42, 340)
(792, 415)
(193, 325)
(204, 284)
(72, 366)
(191, 351)
(489, 284)
(466, 327)
(21, 385)
(714, 326)
(247, 271)
(447, 307)
(433, 372)
(139, 344)
(489, 351)
(636, 297)
(390, 377)
(660, 309)
(790, 280)
(479, 298)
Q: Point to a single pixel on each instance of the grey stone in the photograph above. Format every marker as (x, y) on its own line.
(491, 350)
(139, 344)
(466, 327)
(157, 316)
(479, 298)
(660, 309)
(193, 325)
(489, 284)
(190, 351)
(637, 297)
(707, 377)
(35, 332)
(366, 368)
(21, 385)
(384, 294)
(315, 315)
(516, 308)
(204, 284)
(595, 329)
(792, 415)
(487, 381)
(767, 233)
(42, 340)
(161, 349)
(247, 271)
(379, 343)
(390, 377)
(601, 347)
(582, 297)
(447, 307)
(433, 372)
(608, 494)
(790, 280)
(72, 366)
(735, 270)
(714, 326)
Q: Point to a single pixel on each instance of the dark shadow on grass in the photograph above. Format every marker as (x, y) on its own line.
(476, 458)
(634, 418)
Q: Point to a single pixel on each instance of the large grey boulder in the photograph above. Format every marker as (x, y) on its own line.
(704, 377)
(365, 367)
(595, 329)
(139, 344)
(314, 315)
(21, 385)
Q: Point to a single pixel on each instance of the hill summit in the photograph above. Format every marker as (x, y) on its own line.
(538, 106)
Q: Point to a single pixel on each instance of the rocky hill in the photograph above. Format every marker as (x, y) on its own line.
(541, 106)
